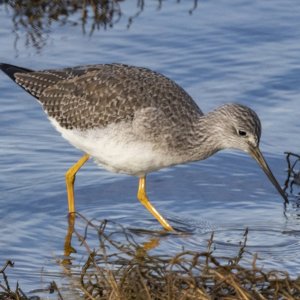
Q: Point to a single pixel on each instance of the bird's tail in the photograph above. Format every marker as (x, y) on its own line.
(10, 70)
(23, 77)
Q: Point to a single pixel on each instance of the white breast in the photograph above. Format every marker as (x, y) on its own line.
(118, 149)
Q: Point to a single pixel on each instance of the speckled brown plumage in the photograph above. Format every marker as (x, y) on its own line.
(98, 95)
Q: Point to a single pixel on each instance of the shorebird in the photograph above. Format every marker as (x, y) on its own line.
(133, 120)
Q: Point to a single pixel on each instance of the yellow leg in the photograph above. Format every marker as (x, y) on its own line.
(70, 179)
(142, 196)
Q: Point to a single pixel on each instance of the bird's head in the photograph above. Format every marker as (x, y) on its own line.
(240, 128)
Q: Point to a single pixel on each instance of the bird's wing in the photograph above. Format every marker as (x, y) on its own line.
(95, 96)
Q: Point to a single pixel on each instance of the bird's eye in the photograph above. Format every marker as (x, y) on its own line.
(242, 133)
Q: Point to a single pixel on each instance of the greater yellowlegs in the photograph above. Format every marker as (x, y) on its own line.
(133, 120)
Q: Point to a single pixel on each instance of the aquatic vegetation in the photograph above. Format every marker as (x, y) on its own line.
(9, 293)
(37, 18)
(128, 270)
(121, 268)
(293, 172)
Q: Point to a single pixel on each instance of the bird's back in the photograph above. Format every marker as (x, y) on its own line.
(98, 95)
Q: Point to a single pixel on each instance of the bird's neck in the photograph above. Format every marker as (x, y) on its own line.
(206, 138)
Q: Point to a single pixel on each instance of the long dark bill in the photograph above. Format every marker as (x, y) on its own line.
(256, 154)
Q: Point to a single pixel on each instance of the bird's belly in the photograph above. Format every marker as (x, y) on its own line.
(118, 149)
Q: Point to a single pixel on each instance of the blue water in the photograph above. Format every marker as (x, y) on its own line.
(224, 51)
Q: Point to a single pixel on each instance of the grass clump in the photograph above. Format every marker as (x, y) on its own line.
(119, 268)
(128, 270)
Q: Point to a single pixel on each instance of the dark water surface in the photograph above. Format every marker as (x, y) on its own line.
(224, 51)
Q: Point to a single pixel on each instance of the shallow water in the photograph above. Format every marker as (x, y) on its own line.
(237, 51)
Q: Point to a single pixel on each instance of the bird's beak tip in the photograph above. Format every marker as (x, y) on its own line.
(255, 152)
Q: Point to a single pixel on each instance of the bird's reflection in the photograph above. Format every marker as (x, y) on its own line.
(68, 248)
(112, 240)
(126, 237)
